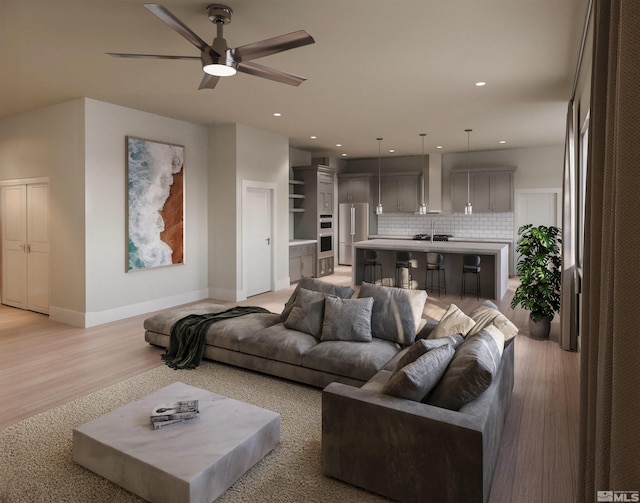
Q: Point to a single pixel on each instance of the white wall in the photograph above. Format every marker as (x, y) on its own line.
(238, 153)
(49, 142)
(111, 292)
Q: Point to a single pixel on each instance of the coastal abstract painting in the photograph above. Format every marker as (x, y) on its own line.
(155, 195)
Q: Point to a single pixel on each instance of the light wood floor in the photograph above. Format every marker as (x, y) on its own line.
(44, 364)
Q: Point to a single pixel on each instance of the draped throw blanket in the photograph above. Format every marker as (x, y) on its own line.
(186, 340)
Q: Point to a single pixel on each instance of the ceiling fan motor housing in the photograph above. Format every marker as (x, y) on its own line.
(219, 13)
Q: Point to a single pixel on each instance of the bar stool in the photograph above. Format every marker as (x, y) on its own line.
(370, 263)
(435, 264)
(470, 265)
(404, 261)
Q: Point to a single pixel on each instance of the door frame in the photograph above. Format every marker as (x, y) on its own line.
(273, 193)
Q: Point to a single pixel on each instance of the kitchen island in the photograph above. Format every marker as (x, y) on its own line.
(494, 277)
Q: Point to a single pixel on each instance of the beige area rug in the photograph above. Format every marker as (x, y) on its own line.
(36, 454)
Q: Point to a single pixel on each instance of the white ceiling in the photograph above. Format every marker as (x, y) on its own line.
(391, 68)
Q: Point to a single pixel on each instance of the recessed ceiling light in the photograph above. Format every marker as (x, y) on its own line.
(391, 150)
(503, 141)
(338, 144)
(344, 155)
(277, 114)
(313, 137)
(480, 84)
(439, 146)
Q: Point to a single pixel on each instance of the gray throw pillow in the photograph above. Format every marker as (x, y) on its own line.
(308, 313)
(347, 320)
(469, 374)
(423, 346)
(316, 285)
(396, 312)
(417, 379)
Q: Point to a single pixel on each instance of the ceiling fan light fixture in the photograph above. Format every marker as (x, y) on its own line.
(218, 66)
(219, 70)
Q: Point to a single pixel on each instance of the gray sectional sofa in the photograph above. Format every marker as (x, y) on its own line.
(410, 407)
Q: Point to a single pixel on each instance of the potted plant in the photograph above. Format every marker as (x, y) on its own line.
(539, 271)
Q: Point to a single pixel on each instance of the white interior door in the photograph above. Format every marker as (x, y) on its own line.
(258, 240)
(14, 246)
(25, 246)
(38, 248)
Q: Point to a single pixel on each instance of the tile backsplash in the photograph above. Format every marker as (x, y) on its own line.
(478, 225)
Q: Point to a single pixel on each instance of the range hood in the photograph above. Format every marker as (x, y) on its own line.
(434, 199)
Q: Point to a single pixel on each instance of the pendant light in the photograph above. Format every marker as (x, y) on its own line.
(468, 209)
(379, 207)
(423, 207)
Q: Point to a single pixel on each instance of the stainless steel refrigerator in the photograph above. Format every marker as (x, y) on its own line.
(353, 226)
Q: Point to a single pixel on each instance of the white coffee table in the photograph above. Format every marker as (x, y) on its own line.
(195, 461)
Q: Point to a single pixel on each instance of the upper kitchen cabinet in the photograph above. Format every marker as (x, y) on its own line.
(354, 188)
(399, 193)
(325, 193)
(489, 190)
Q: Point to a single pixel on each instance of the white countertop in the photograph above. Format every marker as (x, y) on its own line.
(456, 239)
(298, 242)
(480, 248)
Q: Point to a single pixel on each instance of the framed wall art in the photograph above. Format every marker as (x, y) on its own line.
(155, 204)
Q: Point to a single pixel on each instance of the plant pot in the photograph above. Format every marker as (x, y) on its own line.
(540, 329)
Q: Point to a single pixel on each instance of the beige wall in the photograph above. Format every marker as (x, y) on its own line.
(241, 153)
(49, 142)
(111, 292)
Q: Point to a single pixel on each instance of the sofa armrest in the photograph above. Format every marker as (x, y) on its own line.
(401, 449)
(404, 449)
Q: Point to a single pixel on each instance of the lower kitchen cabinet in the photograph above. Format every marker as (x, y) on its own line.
(302, 261)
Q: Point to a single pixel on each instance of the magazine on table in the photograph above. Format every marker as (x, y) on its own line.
(171, 413)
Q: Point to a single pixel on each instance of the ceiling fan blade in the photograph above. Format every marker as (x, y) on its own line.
(272, 45)
(174, 23)
(208, 81)
(150, 56)
(270, 73)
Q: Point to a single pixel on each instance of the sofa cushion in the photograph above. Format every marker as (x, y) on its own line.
(423, 346)
(396, 312)
(161, 322)
(347, 320)
(307, 313)
(415, 380)
(454, 321)
(278, 343)
(316, 285)
(228, 333)
(488, 314)
(350, 359)
(469, 374)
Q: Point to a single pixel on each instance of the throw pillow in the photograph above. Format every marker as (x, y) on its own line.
(488, 314)
(423, 346)
(396, 312)
(308, 313)
(316, 285)
(469, 374)
(497, 335)
(454, 321)
(416, 380)
(347, 320)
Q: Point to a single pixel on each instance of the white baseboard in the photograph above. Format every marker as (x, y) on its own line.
(92, 319)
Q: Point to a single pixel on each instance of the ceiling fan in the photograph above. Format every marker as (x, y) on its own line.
(217, 59)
